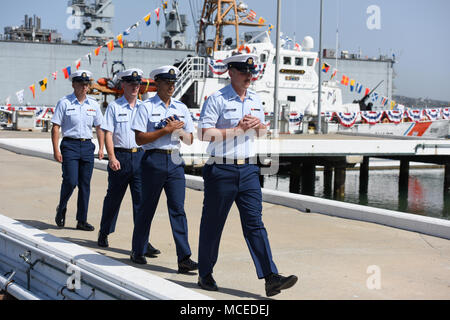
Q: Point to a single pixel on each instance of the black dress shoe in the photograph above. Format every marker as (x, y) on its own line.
(85, 226)
(138, 259)
(102, 240)
(275, 283)
(60, 217)
(207, 283)
(187, 265)
(151, 251)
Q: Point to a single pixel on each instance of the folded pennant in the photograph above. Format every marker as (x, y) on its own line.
(43, 84)
(78, 63)
(33, 90)
(251, 15)
(54, 74)
(164, 5)
(157, 13)
(261, 20)
(367, 91)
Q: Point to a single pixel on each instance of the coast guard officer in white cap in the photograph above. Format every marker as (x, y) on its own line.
(76, 114)
(124, 167)
(230, 119)
(159, 126)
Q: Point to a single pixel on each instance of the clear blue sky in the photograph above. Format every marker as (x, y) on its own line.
(416, 31)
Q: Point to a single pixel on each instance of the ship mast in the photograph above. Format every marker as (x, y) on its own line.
(223, 13)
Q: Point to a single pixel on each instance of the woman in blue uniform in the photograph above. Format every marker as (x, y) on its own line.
(75, 115)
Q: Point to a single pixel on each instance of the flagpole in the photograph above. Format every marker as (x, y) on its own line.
(319, 104)
(276, 110)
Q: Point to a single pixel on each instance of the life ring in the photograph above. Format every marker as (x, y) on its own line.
(242, 47)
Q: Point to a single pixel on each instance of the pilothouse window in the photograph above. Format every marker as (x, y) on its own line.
(287, 60)
(298, 61)
(263, 58)
(310, 62)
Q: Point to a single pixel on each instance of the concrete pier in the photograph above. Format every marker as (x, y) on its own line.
(333, 257)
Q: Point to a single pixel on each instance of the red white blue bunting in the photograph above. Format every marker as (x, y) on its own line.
(347, 119)
(394, 116)
(445, 113)
(414, 114)
(372, 117)
(433, 114)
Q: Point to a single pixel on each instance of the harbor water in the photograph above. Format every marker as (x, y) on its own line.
(425, 194)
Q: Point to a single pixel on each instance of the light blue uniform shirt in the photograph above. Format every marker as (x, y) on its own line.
(223, 110)
(76, 120)
(118, 118)
(152, 111)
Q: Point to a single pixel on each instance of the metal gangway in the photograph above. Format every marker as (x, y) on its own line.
(192, 69)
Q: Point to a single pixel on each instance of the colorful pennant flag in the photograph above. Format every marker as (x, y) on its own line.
(384, 101)
(367, 91)
(147, 19)
(251, 15)
(298, 47)
(358, 88)
(334, 74)
(344, 80)
(374, 97)
(67, 72)
(54, 74)
(325, 67)
(33, 90)
(78, 64)
(120, 40)
(110, 45)
(157, 13)
(43, 84)
(393, 104)
(97, 51)
(164, 5)
(19, 95)
(352, 85)
(126, 32)
(270, 28)
(261, 20)
(89, 58)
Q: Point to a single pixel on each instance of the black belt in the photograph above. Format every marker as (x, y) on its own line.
(76, 139)
(218, 160)
(164, 151)
(133, 150)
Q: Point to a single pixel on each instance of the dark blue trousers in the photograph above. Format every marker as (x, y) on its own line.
(160, 172)
(118, 182)
(225, 184)
(77, 167)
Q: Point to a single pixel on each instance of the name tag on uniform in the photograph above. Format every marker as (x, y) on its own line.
(256, 109)
(180, 116)
(71, 111)
(91, 112)
(122, 117)
(156, 114)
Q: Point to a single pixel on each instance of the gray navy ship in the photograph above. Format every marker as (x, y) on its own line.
(43, 51)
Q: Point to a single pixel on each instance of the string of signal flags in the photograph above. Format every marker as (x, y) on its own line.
(110, 45)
